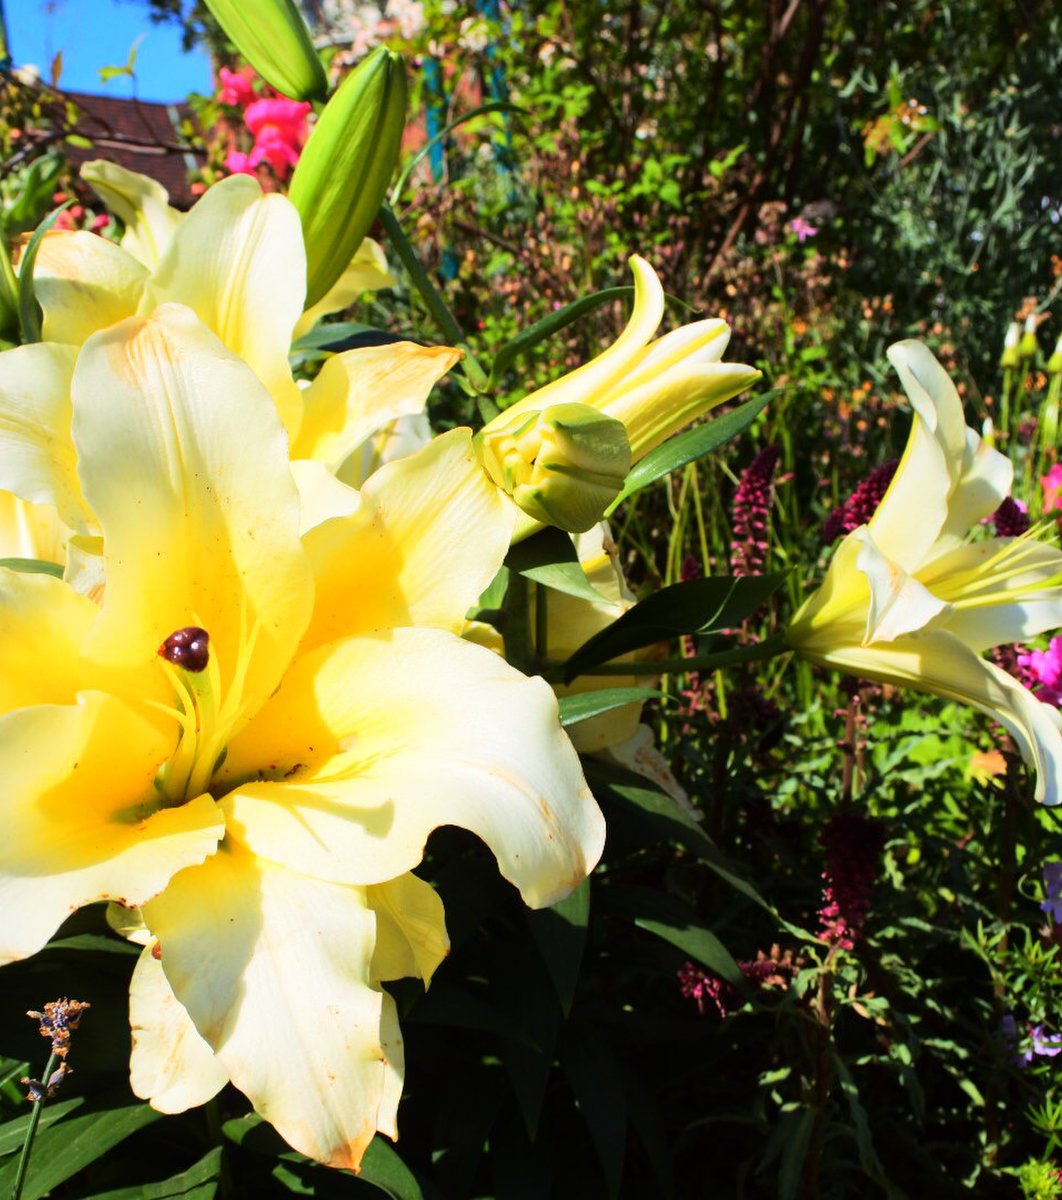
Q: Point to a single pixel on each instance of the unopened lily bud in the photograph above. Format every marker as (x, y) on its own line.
(1010, 356)
(1054, 363)
(563, 465)
(1028, 345)
(344, 169)
(273, 37)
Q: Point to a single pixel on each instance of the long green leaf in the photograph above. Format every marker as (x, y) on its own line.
(584, 705)
(700, 606)
(199, 1182)
(13, 1133)
(670, 918)
(382, 1167)
(597, 1081)
(29, 316)
(560, 933)
(69, 1146)
(32, 566)
(426, 149)
(550, 325)
(549, 558)
(658, 815)
(689, 446)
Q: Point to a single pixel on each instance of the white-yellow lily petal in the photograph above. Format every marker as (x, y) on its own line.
(437, 732)
(999, 591)
(322, 497)
(397, 439)
(37, 458)
(947, 479)
(939, 663)
(600, 374)
(381, 567)
(274, 969)
(83, 283)
(31, 530)
(142, 204)
(43, 623)
(394, 1069)
(360, 391)
(411, 935)
(171, 1065)
(367, 271)
(238, 262)
(662, 406)
(897, 603)
(79, 819)
(700, 341)
(181, 454)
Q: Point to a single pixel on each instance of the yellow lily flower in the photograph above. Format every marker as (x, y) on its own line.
(237, 260)
(653, 387)
(907, 599)
(251, 736)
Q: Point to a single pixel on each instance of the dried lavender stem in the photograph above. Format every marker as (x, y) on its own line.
(31, 1129)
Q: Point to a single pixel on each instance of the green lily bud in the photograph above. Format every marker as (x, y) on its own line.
(1010, 356)
(273, 37)
(563, 465)
(1028, 345)
(345, 167)
(1054, 363)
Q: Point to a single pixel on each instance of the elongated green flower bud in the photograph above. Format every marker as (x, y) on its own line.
(563, 465)
(345, 167)
(1054, 363)
(1028, 345)
(273, 37)
(1010, 356)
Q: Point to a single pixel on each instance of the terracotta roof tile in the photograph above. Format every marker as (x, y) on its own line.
(137, 134)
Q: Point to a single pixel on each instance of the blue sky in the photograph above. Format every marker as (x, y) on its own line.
(97, 33)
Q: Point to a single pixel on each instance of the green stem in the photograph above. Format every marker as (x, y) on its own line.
(433, 300)
(31, 1128)
(518, 647)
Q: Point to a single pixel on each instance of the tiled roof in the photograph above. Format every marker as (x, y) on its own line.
(137, 134)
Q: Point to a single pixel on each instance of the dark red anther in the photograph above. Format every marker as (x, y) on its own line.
(188, 648)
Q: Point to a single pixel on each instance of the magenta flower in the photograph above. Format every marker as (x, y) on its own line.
(803, 229)
(236, 87)
(1051, 485)
(1045, 668)
(861, 504)
(1011, 519)
(750, 513)
(853, 846)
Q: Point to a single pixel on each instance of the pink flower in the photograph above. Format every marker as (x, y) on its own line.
(286, 117)
(1051, 483)
(853, 845)
(1011, 519)
(861, 504)
(803, 229)
(238, 163)
(279, 128)
(751, 513)
(1045, 666)
(236, 87)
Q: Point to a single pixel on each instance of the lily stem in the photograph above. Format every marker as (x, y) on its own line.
(437, 307)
